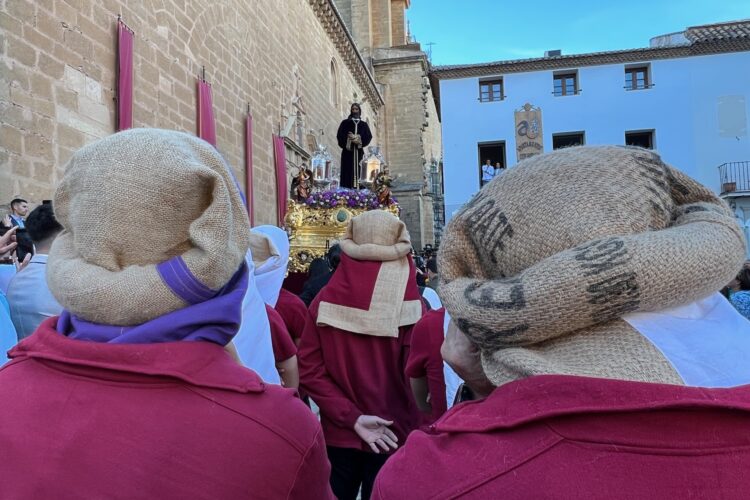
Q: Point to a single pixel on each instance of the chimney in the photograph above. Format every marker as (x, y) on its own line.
(552, 53)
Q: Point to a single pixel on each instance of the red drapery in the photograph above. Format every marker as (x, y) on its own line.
(279, 153)
(249, 168)
(206, 126)
(124, 77)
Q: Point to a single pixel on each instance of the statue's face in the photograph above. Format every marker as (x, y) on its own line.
(356, 111)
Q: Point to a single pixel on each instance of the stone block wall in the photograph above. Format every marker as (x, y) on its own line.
(57, 80)
(398, 23)
(412, 132)
(380, 24)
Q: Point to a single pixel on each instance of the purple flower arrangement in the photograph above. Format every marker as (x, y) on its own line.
(351, 198)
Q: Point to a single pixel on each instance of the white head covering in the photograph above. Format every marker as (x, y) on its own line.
(452, 380)
(432, 298)
(271, 270)
(707, 341)
(253, 340)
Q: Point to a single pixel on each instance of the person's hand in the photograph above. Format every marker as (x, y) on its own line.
(21, 265)
(464, 357)
(6, 221)
(350, 135)
(8, 242)
(374, 431)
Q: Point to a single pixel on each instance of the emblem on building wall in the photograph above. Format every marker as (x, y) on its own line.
(529, 138)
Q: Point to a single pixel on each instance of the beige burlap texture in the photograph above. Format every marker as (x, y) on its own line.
(133, 200)
(540, 266)
(377, 236)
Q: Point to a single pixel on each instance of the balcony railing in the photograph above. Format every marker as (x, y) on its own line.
(734, 176)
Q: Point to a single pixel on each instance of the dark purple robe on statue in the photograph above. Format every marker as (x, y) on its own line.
(348, 158)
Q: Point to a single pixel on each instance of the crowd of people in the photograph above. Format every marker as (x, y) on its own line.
(566, 340)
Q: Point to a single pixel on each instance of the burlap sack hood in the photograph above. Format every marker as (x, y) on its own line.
(137, 200)
(376, 241)
(540, 266)
(376, 235)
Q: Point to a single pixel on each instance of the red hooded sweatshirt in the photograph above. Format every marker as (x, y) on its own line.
(169, 420)
(563, 437)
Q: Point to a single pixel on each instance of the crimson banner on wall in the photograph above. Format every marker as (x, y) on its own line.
(206, 126)
(279, 153)
(249, 168)
(124, 76)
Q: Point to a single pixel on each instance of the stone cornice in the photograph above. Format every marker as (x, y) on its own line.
(334, 26)
(397, 55)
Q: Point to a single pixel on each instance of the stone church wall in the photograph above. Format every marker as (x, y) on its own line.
(57, 80)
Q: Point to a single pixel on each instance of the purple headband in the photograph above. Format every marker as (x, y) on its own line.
(211, 315)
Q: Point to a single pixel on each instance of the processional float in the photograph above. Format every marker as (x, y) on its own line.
(319, 211)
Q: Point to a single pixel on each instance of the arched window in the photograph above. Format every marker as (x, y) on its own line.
(334, 84)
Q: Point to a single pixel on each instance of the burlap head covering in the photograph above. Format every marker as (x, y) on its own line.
(376, 235)
(373, 291)
(134, 200)
(540, 266)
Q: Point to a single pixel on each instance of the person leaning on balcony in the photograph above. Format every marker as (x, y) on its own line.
(130, 392)
(488, 172)
(607, 360)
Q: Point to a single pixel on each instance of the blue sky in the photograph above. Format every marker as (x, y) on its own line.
(473, 31)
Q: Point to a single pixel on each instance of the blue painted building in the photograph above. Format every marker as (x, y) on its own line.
(687, 96)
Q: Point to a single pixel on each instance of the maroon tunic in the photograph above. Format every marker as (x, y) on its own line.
(293, 311)
(281, 340)
(169, 420)
(559, 436)
(348, 375)
(425, 359)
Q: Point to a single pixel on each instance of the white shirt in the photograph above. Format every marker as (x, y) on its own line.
(29, 298)
(488, 172)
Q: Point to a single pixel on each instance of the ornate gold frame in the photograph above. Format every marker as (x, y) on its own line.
(313, 230)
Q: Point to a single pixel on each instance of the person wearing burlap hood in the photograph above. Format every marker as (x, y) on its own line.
(354, 348)
(582, 287)
(130, 392)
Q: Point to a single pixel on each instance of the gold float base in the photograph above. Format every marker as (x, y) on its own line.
(313, 230)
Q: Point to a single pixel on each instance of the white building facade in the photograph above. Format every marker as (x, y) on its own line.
(687, 96)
